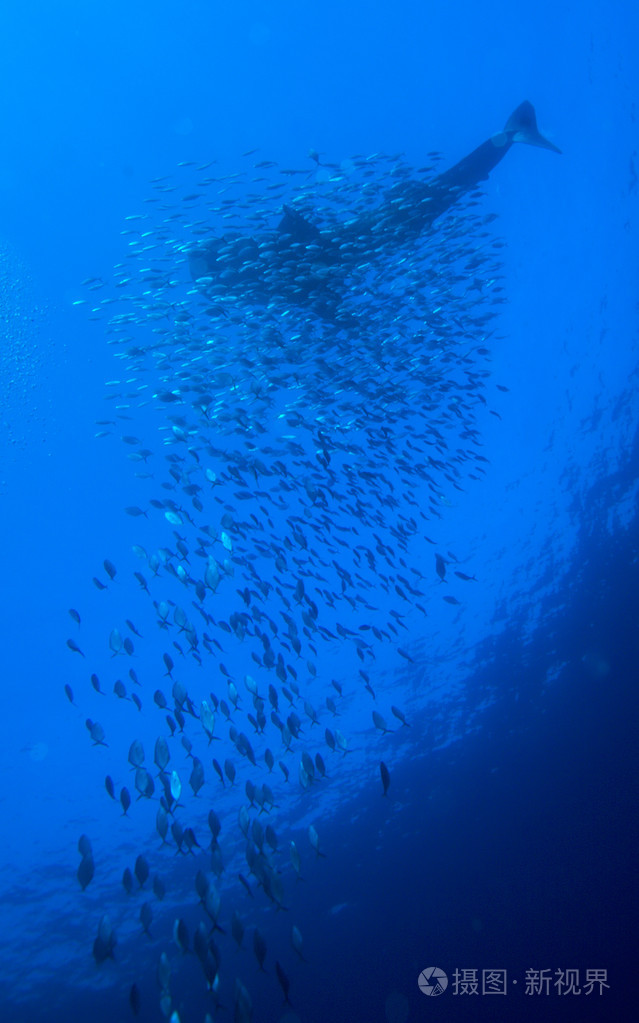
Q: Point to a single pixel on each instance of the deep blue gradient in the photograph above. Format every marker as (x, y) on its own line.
(508, 838)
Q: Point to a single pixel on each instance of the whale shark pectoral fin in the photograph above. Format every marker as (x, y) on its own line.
(521, 126)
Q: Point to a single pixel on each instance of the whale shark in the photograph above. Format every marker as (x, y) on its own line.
(305, 265)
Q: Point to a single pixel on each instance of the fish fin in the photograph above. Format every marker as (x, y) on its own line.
(521, 126)
(297, 226)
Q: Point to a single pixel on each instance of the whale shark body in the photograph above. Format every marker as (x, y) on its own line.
(301, 264)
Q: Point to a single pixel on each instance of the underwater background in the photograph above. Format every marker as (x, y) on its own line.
(256, 516)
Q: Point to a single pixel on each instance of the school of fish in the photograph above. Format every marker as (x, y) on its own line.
(294, 445)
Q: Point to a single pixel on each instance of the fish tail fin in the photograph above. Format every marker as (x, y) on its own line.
(521, 126)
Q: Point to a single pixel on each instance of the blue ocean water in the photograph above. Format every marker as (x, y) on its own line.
(507, 839)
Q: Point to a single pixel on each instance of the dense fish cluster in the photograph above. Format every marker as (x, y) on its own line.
(300, 388)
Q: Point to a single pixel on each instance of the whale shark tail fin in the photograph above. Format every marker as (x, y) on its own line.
(521, 126)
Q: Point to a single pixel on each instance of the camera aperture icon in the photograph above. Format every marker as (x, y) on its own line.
(432, 981)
